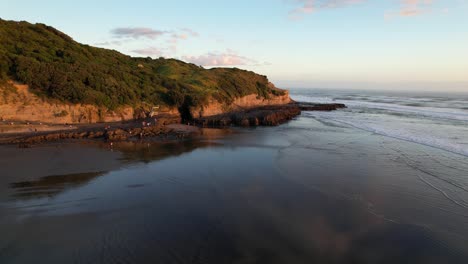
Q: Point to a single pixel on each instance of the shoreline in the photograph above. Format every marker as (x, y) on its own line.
(160, 128)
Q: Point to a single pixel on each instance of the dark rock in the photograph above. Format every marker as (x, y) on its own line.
(261, 116)
(319, 107)
(116, 135)
(24, 145)
(264, 116)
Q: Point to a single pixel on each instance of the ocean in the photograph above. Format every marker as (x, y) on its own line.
(438, 120)
(383, 181)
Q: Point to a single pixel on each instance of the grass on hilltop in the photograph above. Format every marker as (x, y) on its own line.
(55, 66)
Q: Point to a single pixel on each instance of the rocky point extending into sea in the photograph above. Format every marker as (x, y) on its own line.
(163, 127)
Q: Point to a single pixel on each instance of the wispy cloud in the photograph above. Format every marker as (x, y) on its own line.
(403, 7)
(409, 8)
(228, 58)
(150, 51)
(182, 34)
(311, 6)
(145, 32)
(166, 43)
(190, 32)
(166, 40)
(137, 32)
(109, 43)
(414, 7)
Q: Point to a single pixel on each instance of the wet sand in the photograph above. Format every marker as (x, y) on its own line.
(303, 192)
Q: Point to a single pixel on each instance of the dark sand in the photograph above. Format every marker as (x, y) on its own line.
(304, 192)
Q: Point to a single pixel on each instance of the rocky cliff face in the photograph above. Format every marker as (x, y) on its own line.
(214, 107)
(19, 104)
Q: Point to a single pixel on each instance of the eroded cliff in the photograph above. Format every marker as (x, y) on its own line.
(18, 103)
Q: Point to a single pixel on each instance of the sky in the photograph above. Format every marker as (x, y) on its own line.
(376, 44)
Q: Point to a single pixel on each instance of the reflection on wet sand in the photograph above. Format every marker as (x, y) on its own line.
(51, 185)
(277, 195)
(151, 151)
(131, 152)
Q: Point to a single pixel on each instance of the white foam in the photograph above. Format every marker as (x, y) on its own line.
(423, 133)
(432, 112)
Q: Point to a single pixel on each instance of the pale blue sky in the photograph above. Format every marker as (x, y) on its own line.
(388, 44)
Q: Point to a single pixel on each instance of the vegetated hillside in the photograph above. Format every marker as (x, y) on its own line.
(56, 66)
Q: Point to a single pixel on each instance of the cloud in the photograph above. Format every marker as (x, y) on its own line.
(137, 32)
(182, 34)
(150, 51)
(409, 8)
(228, 58)
(175, 37)
(109, 43)
(311, 6)
(190, 32)
(145, 32)
(414, 7)
(167, 40)
(406, 7)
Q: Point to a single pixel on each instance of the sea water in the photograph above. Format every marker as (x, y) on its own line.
(438, 120)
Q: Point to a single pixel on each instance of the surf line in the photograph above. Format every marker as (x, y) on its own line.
(461, 152)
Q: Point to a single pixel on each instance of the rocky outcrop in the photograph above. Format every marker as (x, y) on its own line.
(169, 127)
(213, 107)
(261, 116)
(112, 132)
(319, 107)
(272, 115)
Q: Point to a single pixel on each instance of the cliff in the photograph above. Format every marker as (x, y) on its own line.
(18, 103)
(71, 82)
(213, 107)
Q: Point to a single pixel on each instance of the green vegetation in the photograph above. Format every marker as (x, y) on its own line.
(55, 66)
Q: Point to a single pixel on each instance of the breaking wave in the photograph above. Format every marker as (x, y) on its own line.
(443, 128)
